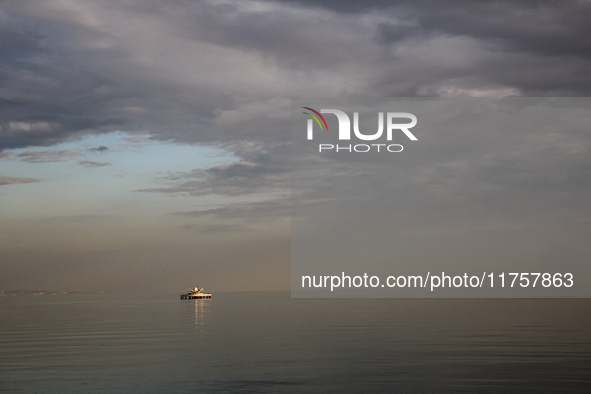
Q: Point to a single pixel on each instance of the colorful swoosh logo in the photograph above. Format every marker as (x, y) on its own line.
(315, 118)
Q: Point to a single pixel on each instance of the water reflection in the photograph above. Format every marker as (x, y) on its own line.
(201, 308)
(268, 342)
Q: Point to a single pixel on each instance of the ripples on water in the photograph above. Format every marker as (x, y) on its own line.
(267, 342)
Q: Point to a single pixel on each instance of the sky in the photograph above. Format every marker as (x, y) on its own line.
(489, 185)
(145, 144)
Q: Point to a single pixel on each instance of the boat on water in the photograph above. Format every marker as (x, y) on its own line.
(196, 294)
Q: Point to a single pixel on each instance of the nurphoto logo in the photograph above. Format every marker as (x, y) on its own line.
(345, 130)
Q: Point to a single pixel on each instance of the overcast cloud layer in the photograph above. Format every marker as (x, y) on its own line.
(222, 72)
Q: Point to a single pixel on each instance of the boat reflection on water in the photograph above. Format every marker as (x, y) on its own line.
(201, 308)
(201, 301)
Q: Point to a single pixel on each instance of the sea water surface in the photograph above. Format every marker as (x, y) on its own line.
(267, 342)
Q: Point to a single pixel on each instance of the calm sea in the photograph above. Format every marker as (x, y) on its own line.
(267, 342)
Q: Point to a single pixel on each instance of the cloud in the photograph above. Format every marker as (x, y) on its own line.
(249, 212)
(530, 159)
(218, 228)
(47, 156)
(7, 180)
(233, 179)
(78, 218)
(263, 169)
(101, 148)
(89, 164)
(216, 72)
(222, 73)
(6, 155)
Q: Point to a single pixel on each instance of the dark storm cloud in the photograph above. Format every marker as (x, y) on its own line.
(536, 47)
(171, 68)
(221, 72)
(545, 28)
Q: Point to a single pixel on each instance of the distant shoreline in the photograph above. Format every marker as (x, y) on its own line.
(24, 292)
